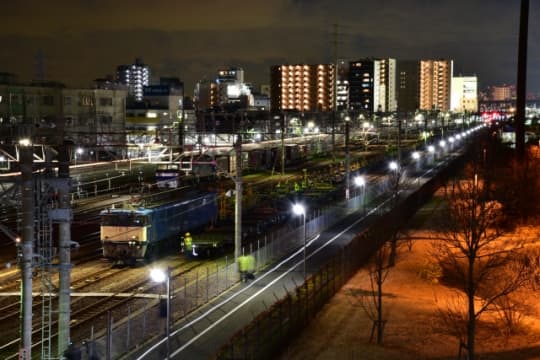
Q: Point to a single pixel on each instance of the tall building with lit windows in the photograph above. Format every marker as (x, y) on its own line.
(302, 87)
(435, 84)
(464, 94)
(407, 85)
(503, 92)
(342, 85)
(135, 76)
(230, 88)
(372, 85)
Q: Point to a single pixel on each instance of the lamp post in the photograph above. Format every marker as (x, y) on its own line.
(416, 157)
(347, 160)
(365, 127)
(159, 276)
(78, 152)
(360, 181)
(442, 144)
(394, 167)
(299, 209)
(431, 151)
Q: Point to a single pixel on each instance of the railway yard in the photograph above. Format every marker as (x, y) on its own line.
(103, 292)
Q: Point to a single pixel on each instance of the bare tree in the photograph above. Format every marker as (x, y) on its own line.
(471, 254)
(372, 301)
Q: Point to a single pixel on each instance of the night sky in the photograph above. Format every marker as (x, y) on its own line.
(84, 40)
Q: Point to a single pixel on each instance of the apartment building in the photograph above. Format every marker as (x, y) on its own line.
(435, 84)
(302, 87)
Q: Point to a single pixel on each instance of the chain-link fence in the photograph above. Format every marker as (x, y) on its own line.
(269, 333)
(196, 288)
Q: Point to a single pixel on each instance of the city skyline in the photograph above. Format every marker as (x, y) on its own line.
(84, 40)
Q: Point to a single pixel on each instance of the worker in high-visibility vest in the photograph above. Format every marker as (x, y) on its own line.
(250, 266)
(246, 267)
(243, 267)
(187, 243)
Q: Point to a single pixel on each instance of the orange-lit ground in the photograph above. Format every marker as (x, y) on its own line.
(413, 330)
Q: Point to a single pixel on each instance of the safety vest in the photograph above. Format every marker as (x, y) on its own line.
(243, 263)
(188, 242)
(250, 263)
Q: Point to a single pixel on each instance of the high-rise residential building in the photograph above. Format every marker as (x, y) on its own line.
(135, 77)
(361, 86)
(435, 84)
(372, 85)
(342, 85)
(464, 94)
(407, 86)
(302, 87)
(503, 92)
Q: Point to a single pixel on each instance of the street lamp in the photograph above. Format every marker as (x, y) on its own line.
(416, 157)
(347, 160)
(78, 152)
(394, 167)
(451, 140)
(299, 209)
(360, 181)
(365, 127)
(160, 276)
(431, 151)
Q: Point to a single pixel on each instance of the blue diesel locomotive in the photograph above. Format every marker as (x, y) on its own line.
(135, 233)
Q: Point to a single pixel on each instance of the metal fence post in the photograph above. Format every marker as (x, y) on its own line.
(128, 331)
(257, 258)
(217, 279)
(144, 319)
(197, 288)
(226, 273)
(207, 283)
(108, 349)
(187, 305)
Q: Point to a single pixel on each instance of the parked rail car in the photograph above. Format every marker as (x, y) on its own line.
(295, 153)
(132, 233)
(168, 175)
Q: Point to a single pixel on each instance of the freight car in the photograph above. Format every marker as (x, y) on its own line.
(134, 233)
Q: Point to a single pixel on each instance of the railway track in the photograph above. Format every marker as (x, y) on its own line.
(88, 311)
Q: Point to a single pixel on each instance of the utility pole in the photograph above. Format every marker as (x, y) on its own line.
(238, 200)
(282, 133)
(182, 124)
(62, 215)
(347, 160)
(334, 88)
(522, 79)
(26, 251)
(399, 142)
